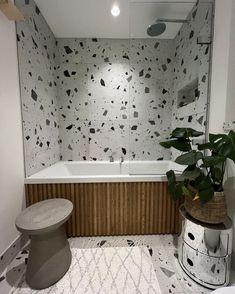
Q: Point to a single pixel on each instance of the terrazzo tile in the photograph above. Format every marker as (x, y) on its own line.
(11, 253)
(161, 248)
(192, 62)
(36, 45)
(108, 138)
(109, 107)
(106, 87)
(151, 51)
(14, 271)
(100, 51)
(74, 133)
(199, 17)
(73, 93)
(110, 79)
(107, 80)
(144, 137)
(70, 50)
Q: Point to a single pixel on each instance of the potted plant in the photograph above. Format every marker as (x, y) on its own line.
(202, 180)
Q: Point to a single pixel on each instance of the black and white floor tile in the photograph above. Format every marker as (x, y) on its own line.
(161, 249)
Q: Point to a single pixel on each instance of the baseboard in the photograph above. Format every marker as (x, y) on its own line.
(9, 254)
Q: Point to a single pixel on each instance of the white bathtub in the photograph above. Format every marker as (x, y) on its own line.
(104, 171)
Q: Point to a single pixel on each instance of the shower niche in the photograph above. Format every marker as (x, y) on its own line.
(188, 94)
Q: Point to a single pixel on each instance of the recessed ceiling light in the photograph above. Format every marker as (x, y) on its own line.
(115, 10)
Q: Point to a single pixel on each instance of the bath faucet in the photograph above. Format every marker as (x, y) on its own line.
(111, 159)
(121, 159)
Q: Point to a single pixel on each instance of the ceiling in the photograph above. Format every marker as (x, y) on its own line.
(92, 18)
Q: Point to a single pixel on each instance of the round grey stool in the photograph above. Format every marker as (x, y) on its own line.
(49, 251)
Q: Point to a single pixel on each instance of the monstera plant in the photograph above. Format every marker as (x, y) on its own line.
(202, 180)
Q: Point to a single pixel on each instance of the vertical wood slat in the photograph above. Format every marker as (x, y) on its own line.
(167, 209)
(113, 208)
(160, 207)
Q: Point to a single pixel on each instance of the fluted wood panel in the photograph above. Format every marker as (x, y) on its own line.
(113, 208)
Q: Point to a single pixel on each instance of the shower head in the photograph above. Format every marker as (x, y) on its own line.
(159, 27)
(156, 29)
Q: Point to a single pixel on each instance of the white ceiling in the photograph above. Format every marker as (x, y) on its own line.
(92, 18)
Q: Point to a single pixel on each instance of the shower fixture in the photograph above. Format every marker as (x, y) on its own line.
(159, 27)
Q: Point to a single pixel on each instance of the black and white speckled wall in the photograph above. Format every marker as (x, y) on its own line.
(151, 97)
(119, 97)
(114, 97)
(192, 61)
(87, 99)
(36, 50)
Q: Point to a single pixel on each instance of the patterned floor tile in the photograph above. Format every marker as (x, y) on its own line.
(161, 248)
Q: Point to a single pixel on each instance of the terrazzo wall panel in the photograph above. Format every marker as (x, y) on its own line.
(192, 67)
(36, 50)
(192, 63)
(151, 66)
(88, 99)
(114, 97)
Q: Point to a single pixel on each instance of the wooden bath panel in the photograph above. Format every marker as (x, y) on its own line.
(113, 208)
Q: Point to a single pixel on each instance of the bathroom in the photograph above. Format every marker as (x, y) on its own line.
(89, 90)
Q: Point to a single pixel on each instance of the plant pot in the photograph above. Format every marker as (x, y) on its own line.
(213, 212)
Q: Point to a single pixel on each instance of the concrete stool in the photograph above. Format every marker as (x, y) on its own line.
(49, 251)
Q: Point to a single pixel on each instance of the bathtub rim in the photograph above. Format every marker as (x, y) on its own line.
(97, 179)
(34, 179)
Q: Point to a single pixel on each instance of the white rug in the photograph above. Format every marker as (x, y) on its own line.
(123, 270)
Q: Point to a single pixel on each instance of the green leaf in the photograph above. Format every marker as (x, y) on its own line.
(203, 182)
(217, 141)
(171, 177)
(171, 183)
(178, 191)
(204, 146)
(179, 145)
(209, 161)
(206, 194)
(175, 189)
(226, 149)
(190, 158)
(217, 138)
(231, 136)
(223, 145)
(191, 172)
(185, 133)
(187, 192)
(217, 174)
(204, 186)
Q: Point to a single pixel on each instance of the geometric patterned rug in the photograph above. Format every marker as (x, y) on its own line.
(124, 270)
